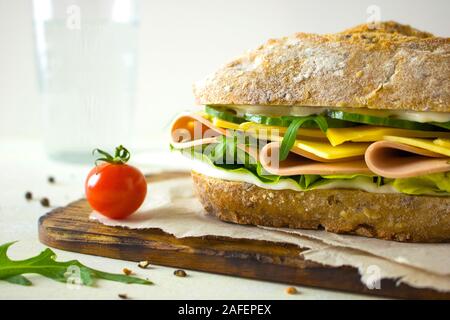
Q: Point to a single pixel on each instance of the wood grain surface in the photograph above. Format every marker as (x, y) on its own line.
(69, 228)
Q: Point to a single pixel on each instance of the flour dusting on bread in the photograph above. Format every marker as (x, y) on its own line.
(390, 67)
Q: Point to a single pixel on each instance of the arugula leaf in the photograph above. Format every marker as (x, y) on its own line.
(291, 132)
(226, 150)
(18, 280)
(45, 265)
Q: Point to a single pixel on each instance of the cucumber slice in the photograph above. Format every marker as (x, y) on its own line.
(285, 121)
(445, 125)
(224, 114)
(335, 119)
(282, 121)
(378, 121)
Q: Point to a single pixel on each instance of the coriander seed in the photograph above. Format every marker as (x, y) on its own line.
(291, 290)
(127, 271)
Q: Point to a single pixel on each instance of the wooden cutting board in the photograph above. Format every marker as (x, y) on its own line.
(69, 228)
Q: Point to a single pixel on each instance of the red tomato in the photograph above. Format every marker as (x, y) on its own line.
(115, 190)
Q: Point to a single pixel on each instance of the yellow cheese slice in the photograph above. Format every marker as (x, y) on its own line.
(266, 129)
(312, 144)
(426, 144)
(204, 115)
(337, 136)
(302, 132)
(224, 124)
(442, 142)
(326, 151)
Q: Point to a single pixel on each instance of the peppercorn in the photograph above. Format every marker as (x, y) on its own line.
(28, 195)
(45, 202)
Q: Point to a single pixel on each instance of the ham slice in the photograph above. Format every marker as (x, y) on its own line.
(385, 158)
(297, 164)
(190, 130)
(396, 160)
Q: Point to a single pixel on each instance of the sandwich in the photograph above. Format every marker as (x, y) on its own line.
(346, 132)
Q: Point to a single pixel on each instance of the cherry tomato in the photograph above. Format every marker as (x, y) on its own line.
(114, 188)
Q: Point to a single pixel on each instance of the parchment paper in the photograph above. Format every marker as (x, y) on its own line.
(171, 206)
(417, 255)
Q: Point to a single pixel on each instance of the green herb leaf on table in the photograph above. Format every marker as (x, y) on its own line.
(18, 280)
(46, 265)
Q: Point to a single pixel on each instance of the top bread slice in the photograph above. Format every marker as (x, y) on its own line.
(382, 66)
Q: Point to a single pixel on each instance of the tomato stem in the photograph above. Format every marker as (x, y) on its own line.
(121, 156)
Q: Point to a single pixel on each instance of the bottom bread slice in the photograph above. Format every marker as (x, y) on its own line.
(391, 216)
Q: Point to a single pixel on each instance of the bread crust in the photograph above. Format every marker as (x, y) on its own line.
(392, 67)
(389, 27)
(396, 217)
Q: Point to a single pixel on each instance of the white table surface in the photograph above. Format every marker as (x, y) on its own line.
(24, 167)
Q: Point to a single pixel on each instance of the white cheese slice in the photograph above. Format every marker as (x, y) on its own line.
(360, 183)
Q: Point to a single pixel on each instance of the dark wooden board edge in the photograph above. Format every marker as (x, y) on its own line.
(68, 228)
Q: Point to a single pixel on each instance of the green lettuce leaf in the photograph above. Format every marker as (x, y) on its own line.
(248, 165)
(435, 183)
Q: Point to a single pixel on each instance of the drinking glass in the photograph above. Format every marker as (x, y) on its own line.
(86, 57)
